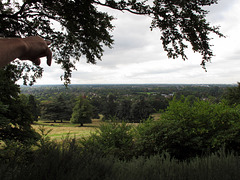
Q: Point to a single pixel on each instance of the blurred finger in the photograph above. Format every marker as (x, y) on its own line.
(49, 57)
(48, 42)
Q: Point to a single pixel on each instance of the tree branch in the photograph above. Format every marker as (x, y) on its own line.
(15, 15)
(120, 9)
(21, 9)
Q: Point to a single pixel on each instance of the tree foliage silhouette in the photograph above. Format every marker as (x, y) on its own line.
(15, 115)
(85, 29)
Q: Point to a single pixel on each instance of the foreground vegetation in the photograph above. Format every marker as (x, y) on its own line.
(71, 160)
(68, 161)
(192, 138)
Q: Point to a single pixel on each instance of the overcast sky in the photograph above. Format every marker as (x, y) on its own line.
(138, 57)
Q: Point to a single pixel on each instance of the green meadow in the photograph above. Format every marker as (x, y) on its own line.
(60, 130)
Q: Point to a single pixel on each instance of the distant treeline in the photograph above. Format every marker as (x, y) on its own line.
(129, 103)
(201, 91)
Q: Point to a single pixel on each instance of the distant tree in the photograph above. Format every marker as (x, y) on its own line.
(216, 91)
(49, 110)
(57, 108)
(124, 110)
(82, 111)
(110, 106)
(97, 106)
(64, 108)
(140, 110)
(86, 27)
(158, 102)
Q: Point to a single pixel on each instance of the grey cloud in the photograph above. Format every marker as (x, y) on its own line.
(217, 11)
(136, 45)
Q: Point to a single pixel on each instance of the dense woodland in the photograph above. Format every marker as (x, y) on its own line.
(129, 103)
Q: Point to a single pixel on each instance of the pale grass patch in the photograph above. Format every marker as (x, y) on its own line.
(61, 130)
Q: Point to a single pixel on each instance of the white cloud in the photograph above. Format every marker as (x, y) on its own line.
(138, 56)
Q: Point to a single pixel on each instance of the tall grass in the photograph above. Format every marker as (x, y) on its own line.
(108, 154)
(69, 160)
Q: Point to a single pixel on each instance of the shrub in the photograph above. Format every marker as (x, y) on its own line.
(69, 160)
(64, 162)
(188, 129)
(111, 139)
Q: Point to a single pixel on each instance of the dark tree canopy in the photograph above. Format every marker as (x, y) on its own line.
(82, 111)
(15, 116)
(85, 30)
(232, 95)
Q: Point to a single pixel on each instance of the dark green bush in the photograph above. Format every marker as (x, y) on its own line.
(112, 139)
(68, 160)
(188, 129)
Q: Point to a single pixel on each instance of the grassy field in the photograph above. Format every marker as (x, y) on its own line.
(60, 130)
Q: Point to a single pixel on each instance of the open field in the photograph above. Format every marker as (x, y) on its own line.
(60, 130)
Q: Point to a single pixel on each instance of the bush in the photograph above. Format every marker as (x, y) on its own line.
(188, 129)
(111, 139)
(68, 160)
